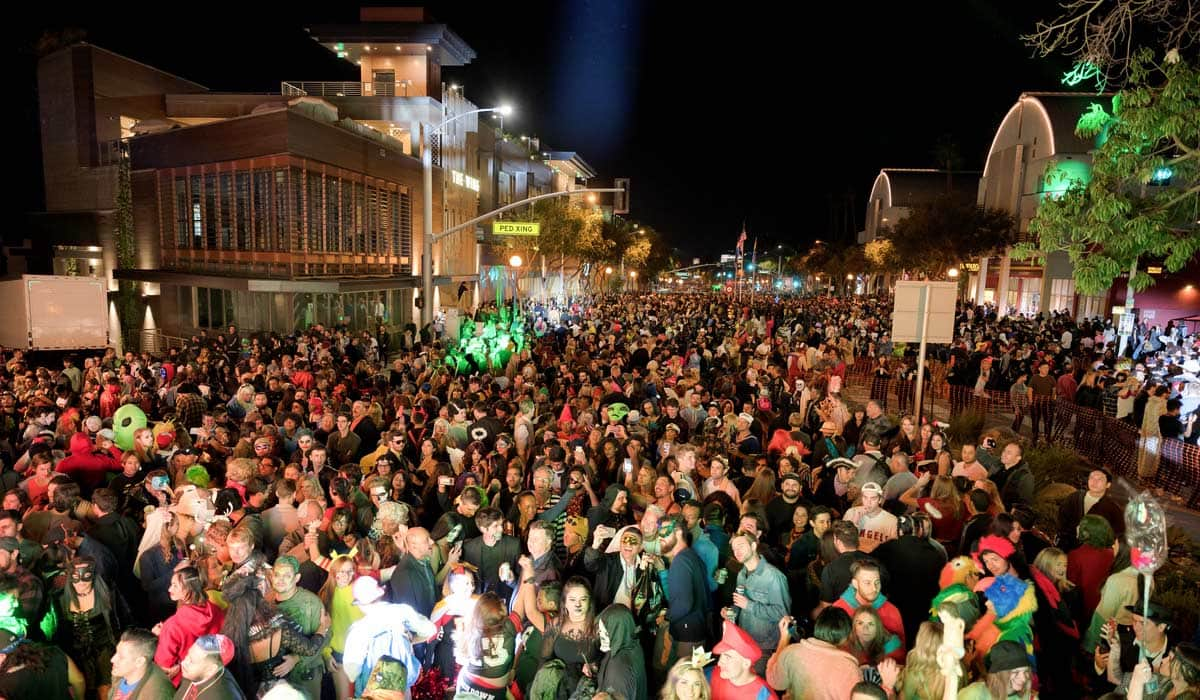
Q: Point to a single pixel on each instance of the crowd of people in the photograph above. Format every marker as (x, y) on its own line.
(665, 496)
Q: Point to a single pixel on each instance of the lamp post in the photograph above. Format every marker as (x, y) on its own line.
(633, 279)
(515, 263)
(427, 209)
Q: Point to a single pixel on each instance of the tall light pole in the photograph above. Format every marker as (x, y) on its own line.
(427, 207)
(515, 261)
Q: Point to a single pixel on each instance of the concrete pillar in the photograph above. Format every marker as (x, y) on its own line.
(982, 286)
(1002, 284)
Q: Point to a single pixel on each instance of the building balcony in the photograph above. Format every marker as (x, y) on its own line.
(342, 88)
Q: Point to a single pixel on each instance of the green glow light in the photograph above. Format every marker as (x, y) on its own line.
(1084, 70)
(1161, 175)
(339, 46)
(1065, 175)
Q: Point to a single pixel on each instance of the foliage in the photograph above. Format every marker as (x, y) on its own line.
(1101, 37)
(946, 231)
(1130, 212)
(127, 296)
(965, 428)
(881, 255)
(1054, 464)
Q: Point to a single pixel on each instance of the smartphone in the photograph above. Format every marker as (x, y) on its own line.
(445, 480)
(628, 465)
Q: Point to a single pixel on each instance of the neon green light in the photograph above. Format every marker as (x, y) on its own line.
(1065, 175)
(1084, 70)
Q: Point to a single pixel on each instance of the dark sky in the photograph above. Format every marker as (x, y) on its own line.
(778, 117)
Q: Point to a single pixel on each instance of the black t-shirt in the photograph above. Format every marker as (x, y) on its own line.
(1042, 386)
(835, 577)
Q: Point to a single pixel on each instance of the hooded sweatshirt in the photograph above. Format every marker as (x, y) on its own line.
(182, 629)
(87, 468)
(623, 668)
(603, 515)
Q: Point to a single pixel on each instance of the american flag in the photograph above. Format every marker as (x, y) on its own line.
(741, 241)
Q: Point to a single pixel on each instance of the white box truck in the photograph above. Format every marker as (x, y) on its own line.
(52, 312)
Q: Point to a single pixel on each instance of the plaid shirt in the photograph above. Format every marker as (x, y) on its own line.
(189, 409)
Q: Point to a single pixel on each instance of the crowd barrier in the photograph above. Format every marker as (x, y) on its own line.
(1101, 438)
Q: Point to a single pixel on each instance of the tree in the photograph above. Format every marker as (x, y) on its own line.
(567, 231)
(940, 234)
(1098, 35)
(1142, 200)
(881, 256)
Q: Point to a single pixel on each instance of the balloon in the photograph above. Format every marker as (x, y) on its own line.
(1146, 533)
(126, 421)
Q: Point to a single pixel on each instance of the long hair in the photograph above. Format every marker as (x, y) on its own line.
(247, 609)
(923, 677)
(679, 670)
(146, 455)
(999, 684)
(763, 487)
(171, 543)
(327, 590)
(589, 623)
(946, 494)
(193, 586)
(871, 651)
(103, 600)
(1045, 561)
(487, 621)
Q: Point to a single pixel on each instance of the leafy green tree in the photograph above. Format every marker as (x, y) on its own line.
(940, 234)
(1143, 199)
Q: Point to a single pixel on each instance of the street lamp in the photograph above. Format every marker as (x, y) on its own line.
(427, 208)
(952, 273)
(608, 270)
(515, 263)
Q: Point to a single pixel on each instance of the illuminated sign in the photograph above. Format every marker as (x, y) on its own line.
(464, 180)
(1154, 270)
(516, 228)
(971, 267)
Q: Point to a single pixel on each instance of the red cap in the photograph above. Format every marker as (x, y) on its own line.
(226, 646)
(735, 638)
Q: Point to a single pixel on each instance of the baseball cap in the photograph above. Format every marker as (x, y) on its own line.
(218, 643)
(872, 488)
(107, 434)
(672, 426)
(736, 639)
(366, 590)
(793, 476)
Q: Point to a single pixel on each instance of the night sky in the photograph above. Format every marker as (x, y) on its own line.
(778, 117)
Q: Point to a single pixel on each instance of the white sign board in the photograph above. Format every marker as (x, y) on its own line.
(913, 301)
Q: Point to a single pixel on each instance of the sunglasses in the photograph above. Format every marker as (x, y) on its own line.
(666, 530)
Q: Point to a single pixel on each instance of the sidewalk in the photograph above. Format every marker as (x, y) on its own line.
(1112, 445)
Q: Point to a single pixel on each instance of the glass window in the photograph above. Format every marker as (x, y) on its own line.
(333, 211)
(281, 209)
(227, 211)
(183, 298)
(210, 211)
(197, 220)
(202, 316)
(296, 193)
(385, 218)
(262, 208)
(346, 234)
(360, 224)
(244, 233)
(181, 213)
(313, 203)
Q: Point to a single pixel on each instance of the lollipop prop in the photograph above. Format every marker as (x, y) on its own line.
(1146, 533)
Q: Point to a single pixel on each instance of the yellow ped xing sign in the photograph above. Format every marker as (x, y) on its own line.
(516, 228)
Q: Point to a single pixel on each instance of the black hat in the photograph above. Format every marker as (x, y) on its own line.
(1155, 612)
(1006, 656)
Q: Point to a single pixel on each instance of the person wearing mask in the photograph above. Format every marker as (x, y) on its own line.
(623, 667)
(760, 599)
(304, 609)
(686, 589)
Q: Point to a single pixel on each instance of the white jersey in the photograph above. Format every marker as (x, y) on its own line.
(873, 530)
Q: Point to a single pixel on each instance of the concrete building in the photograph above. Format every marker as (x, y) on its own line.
(267, 211)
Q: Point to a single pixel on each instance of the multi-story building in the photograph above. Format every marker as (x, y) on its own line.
(268, 211)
